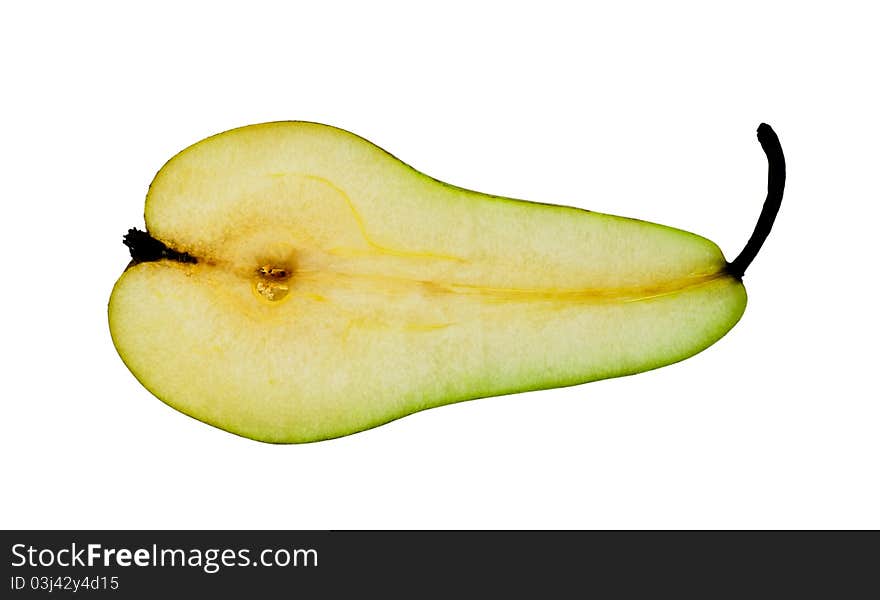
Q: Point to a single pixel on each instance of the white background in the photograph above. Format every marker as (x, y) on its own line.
(638, 109)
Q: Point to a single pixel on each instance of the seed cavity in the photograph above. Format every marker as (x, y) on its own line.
(272, 292)
(272, 283)
(273, 272)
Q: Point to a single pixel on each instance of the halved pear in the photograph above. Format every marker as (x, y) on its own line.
(299, 283)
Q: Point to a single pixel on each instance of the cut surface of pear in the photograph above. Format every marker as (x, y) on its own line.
(303, 284)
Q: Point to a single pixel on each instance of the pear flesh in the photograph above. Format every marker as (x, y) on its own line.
(330, 288)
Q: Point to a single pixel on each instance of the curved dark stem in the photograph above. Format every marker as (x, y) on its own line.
(775, 186)
(145, 248)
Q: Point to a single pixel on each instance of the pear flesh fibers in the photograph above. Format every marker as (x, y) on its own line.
(299, 283)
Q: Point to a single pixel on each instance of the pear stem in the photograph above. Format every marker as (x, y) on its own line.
(775, 186)
(145, 248)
